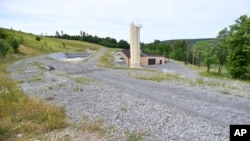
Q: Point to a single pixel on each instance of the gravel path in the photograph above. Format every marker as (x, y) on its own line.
(167, 110)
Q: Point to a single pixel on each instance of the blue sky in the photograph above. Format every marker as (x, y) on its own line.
(160, 19)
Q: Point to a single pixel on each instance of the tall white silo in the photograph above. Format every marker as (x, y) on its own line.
(134, 45)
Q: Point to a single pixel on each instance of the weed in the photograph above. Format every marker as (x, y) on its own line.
(36, 79)
(82, 80)
(94, 126)
(77, 89)
(53, 79)
(106, 60)
(167, 119)
(159, 76)
(239, 95)
(49, 97)
(39, 65)
(200, 81)
(141, 103)
(61, 85)
(134, 137)
(235, 87)
(20, 81)
(50, 87)
(225, 92)
(124, 109)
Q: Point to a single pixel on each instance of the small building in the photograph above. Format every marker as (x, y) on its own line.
(145, 58)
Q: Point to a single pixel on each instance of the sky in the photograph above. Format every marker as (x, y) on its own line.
(160, 19)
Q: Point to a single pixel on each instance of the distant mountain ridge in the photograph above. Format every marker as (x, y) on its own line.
(191, 42)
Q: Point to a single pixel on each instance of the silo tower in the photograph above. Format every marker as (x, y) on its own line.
(135, 45)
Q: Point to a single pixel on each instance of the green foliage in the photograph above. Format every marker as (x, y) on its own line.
(158, 77)
(123, 44)
(221, 48)
(134, 137)
(14, 43)
(239, 50)
(191, 42)
(106, 60)
(82, 80)
(107, 41)
(4, 48)
(210, 58)
(3, 34)
(175, 49)
(38, 38)
(179, 50)
(199, 52)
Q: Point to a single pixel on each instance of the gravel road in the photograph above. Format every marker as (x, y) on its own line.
(167, 110)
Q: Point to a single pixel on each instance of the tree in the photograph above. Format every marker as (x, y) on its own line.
(239, 48)
(4, 48)
(221, 48)
(199, 51)
(176, 49)
(210, 58)
(57, 34)
(123, 44)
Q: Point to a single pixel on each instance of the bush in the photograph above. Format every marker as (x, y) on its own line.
(38, 38)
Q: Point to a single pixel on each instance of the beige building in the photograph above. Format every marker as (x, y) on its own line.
(145, 59)
(134, 57)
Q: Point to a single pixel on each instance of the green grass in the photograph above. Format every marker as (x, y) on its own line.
(82, 80)
(20, 114)
(225, 91)
(213, 74)
(124, 109)
(107, 59)
(36, 79)
(158, 76)
(133, 136)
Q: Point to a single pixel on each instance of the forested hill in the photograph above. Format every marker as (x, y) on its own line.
(190, 42)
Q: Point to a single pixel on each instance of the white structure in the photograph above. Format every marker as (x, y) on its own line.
(135, 45)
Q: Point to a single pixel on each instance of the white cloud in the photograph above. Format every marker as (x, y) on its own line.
(162, 20)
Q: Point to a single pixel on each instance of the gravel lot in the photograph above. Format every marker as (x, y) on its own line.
(167, 110)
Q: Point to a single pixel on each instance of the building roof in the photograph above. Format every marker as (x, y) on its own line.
(142, 54)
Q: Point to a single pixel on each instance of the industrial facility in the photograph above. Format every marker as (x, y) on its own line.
(134, 57)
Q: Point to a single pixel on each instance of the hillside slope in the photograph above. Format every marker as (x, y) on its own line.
(35, 44)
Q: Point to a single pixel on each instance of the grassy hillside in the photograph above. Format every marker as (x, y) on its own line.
(19, 114)
(31, 46)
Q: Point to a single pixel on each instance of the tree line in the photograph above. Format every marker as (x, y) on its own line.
(231, 48)
(107, 41)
